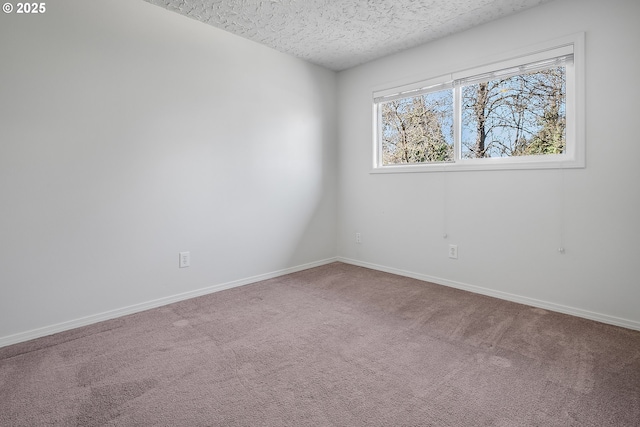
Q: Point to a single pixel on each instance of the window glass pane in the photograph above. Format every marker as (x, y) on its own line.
(418, 129)
(516, 116)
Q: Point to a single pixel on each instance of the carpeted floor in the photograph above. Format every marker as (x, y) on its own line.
(336, 345)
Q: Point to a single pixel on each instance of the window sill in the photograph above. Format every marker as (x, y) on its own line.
(482, 165)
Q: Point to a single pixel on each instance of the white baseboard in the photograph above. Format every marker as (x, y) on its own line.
(599, 317)
(112, 314)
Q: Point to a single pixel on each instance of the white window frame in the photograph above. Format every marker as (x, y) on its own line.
(574, 155)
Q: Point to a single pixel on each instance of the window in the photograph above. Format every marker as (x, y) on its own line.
(522, 112)
(417, 129)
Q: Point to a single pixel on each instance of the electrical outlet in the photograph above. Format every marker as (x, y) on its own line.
(185, 259)
(453, 251)
(358, 238)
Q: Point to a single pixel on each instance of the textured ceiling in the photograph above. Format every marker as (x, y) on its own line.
(339, 34)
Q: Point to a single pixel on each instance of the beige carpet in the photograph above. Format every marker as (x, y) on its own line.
(336, 345)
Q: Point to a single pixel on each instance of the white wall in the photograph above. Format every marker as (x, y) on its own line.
(129, 133)
(508, 225)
